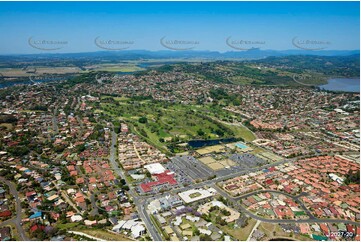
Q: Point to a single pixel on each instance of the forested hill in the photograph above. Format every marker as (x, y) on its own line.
(346, 66)
(314, 70)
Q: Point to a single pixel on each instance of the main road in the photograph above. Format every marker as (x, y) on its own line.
(139, 203)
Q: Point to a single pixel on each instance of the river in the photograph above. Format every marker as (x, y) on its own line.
(342, 84)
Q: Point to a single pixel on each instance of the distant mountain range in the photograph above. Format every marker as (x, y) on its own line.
(190, 54)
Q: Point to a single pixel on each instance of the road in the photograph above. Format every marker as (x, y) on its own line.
(67, 199)
(115, 165)
(139, 203)
(294, 221)
(94, 210)
(15, 220)
(235, 204)
(112, 157)
(146, 219)
(55, 121)
(295, 198)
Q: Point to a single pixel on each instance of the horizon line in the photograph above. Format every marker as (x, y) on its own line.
(175, 51)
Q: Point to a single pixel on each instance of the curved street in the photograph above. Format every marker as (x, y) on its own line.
(295, 198)
(235, 203)
(17, 219)
(290, 221)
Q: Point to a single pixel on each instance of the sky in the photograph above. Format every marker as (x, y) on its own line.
(66, 27)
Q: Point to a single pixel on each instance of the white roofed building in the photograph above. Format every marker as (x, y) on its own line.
(194, 195)
(136, 228)
(155, 168)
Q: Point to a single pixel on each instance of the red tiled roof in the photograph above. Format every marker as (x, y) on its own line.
(80, 199)
(350, 228)
(71, 168)
(231, 187)
(162, 178)
(269, 182)
(6, 213)
(272, 168)
(324, 228)
(36, 227)
(28, 194)
(73, 173)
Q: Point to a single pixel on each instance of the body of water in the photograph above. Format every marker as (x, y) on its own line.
(28, 82)
(156, 63)
(201, 143)
(342, 84)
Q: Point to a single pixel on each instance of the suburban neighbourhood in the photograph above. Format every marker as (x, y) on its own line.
(80, 172)
(180, 121)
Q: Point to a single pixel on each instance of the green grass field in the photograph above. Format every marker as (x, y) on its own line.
(119, 68)
(173, 123)
(67, 226)
(241, 234)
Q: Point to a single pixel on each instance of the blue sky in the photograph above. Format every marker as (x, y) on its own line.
(274, 24)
